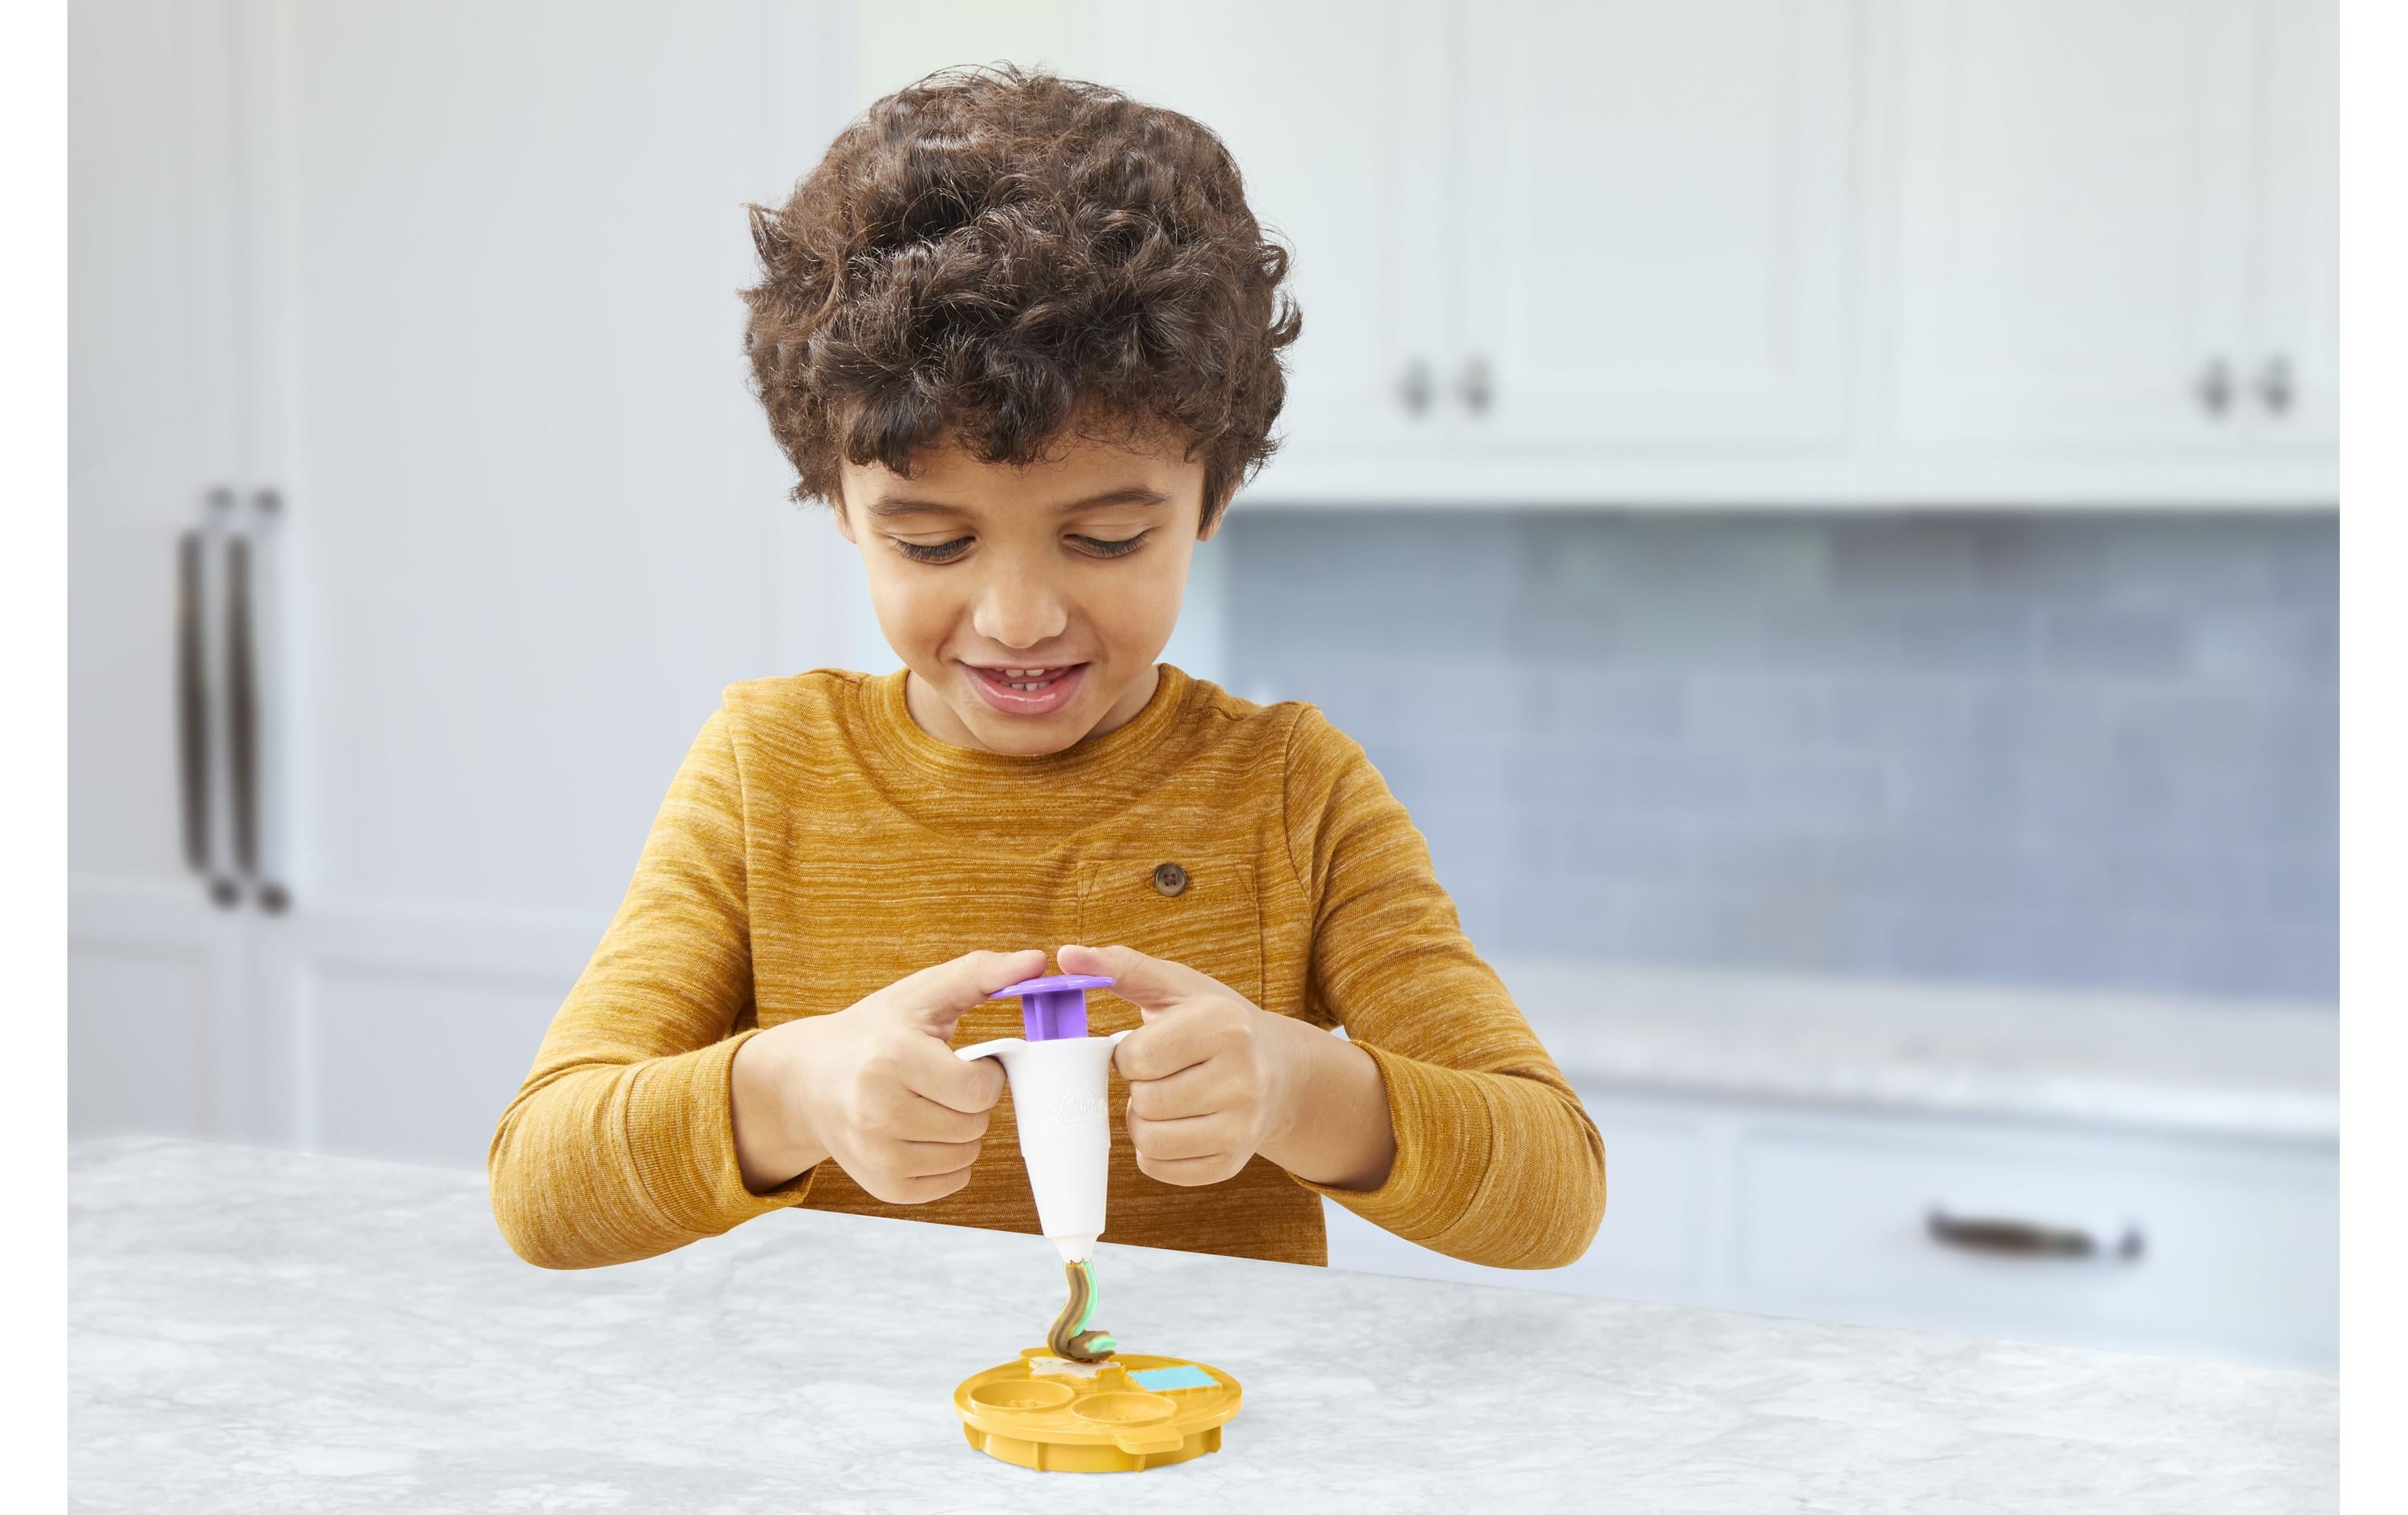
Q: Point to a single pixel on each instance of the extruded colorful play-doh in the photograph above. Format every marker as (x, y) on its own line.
(1076, 1403)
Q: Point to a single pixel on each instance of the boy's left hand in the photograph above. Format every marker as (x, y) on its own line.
(1209, 1073)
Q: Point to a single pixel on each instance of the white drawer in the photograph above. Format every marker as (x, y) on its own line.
(2239, 1256)
(1652, 1243)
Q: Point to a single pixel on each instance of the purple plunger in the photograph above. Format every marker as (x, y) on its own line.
(1054, 1007)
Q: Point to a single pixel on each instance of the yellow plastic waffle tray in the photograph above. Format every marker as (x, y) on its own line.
(1122, 1415)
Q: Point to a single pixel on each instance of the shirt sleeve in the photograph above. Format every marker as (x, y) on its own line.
(1497, 1163)
(620, 1143)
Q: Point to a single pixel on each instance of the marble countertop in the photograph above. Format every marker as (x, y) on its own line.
(270, 1332)
(2182, 1065)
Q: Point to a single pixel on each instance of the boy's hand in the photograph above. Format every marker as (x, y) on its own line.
(876, 1086)
(1210, 1075)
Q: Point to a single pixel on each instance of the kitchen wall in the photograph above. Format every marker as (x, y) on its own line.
(2076, 750)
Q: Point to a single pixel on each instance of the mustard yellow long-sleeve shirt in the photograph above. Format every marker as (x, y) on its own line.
(816, 845)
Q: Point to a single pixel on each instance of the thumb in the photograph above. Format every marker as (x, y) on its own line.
(1150, 983)
(934, 998)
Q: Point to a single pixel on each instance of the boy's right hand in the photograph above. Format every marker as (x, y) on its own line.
(875, 1086)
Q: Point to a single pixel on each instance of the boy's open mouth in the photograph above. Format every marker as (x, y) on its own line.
(1027, 691)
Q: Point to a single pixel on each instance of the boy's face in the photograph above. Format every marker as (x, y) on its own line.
(1029, 604)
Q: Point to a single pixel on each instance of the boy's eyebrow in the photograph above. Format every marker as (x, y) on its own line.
(1126, 494)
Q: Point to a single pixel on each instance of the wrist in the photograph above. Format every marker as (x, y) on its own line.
(1296, 1050)
(1332, 1123)
(767, 1112)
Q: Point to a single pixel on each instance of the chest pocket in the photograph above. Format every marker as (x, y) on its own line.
(1204, 912)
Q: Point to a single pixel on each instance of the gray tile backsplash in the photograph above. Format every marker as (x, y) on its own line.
(2066, 749)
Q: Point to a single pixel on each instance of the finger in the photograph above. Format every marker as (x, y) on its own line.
(1193, 1090)
(936, 1077)
(921, 1119)
(1190, 1172)
(1197, 1135)
(936, 998)
(1150, 983)
(1167, 1044)
(900, 1191)
(932, 1159)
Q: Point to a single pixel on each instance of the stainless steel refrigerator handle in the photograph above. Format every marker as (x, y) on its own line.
(192, 705)
(242, 710)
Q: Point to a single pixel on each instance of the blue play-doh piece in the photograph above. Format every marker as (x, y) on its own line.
(1186, 1375)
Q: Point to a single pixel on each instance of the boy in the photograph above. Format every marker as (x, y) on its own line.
(1020, 334)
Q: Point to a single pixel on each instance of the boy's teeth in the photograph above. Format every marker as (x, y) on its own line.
(1026, 681)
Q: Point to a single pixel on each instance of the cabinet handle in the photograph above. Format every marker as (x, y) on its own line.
(2274, 384)
(1475, 388)
(192, 705)
(2215, 388)
(2001, 1237)
(242, 708)
(196, 719)
(1416, 387)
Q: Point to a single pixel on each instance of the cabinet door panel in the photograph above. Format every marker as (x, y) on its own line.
(1654, 203)
(2071, 224)
(2293, 360)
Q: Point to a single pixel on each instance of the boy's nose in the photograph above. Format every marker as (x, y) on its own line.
(1019, 610)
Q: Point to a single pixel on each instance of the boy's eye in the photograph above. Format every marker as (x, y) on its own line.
(945, 552)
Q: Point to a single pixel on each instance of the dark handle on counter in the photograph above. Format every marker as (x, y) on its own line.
(2026, 1238)
(192, 705)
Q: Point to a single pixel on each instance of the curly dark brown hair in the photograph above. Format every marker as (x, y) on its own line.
(1009, 259)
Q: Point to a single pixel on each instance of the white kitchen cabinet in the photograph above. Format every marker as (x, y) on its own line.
(1535, 241)
(2201, 1246)
(1524, 225)
(2072, 232)
(1889, 1218)
(1652, 218)
(478, 268)
(1975, 253)
(2292, 363)
(2115, 227)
